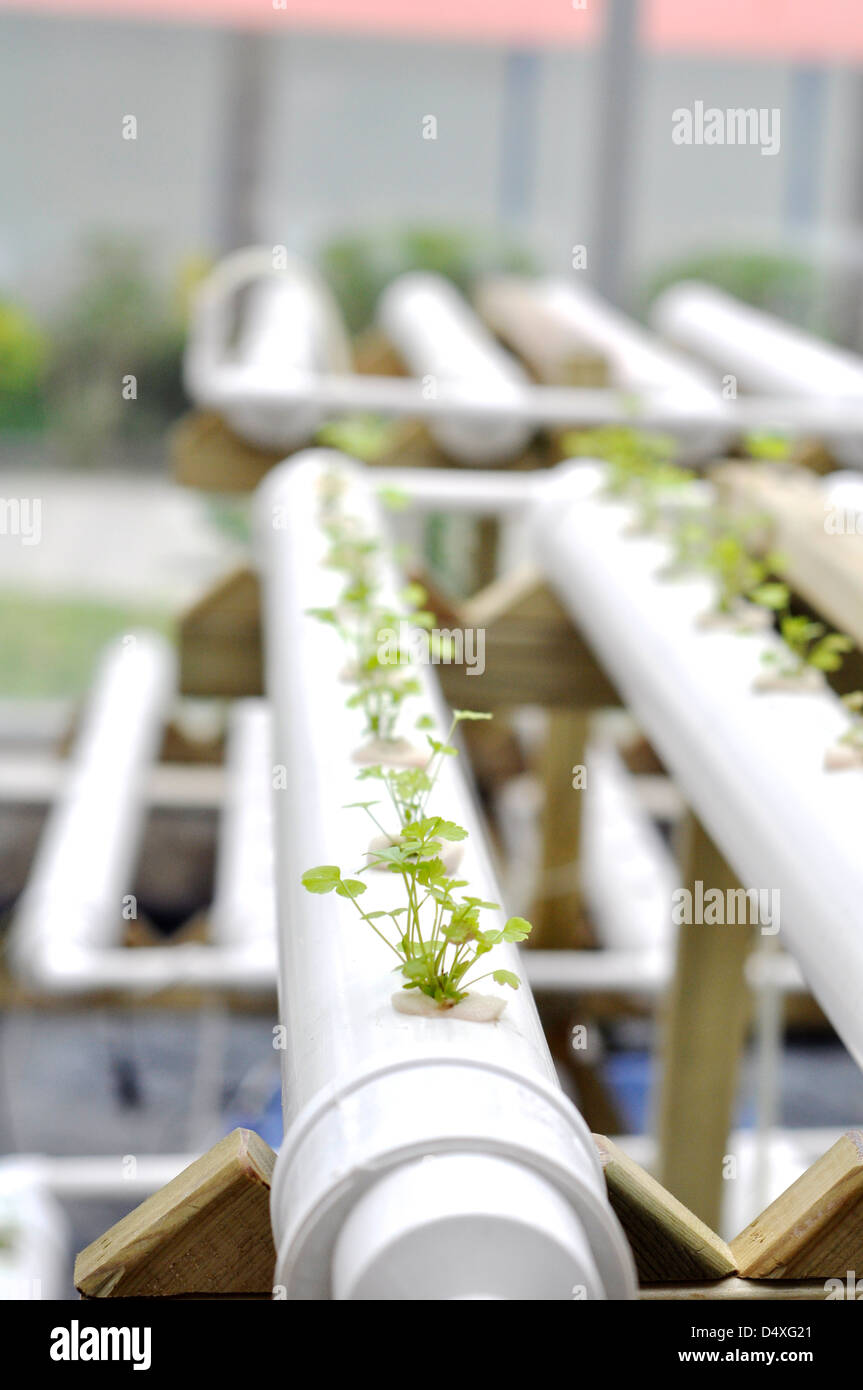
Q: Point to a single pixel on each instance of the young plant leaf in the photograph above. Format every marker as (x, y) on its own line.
(350, 888)
(517, 929)
(323, 879)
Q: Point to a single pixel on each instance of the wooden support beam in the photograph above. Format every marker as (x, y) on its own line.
(206, 1233)
(204, 453)
(735, 1290)
(825, 568)
(704, 1030)
(813, 1230)
(558, 910)
(535, 655)
(220, 640)
(374, 354)
(533, 652)
(670, 1243)
(550, 350)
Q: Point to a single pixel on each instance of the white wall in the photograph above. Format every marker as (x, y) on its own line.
(343, 147)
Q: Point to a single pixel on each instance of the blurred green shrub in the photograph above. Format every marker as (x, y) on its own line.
(117, 324)
(780, 284)
(358, 267)
(23, 366)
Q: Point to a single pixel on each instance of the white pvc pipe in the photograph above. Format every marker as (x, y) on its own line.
(66, 932)
(244, 901)
(368, 1091)
(270, 399)
(37, 779)
(763, 353)
(636, 971)
(627, 873)
(98, 1178)
(750, 764)
(34, 1251)
(642, 972)
(73, 902)
(477, 491)
(637, 360)
(443, 342)
(290, 330)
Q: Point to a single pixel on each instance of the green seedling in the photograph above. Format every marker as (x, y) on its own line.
(631, 455)
(691, 536)
(772, 594)
(436, 930)
(853, 735)
(393, 498)
(808, 644)
(772, 448)
(359, 616)
(740, 575)
(653, 488)
(365, 437)
(639, 465)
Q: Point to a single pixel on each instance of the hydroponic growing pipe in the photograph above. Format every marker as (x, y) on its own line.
(424, 1157)
(73, 903)
(750, 763)
(763, 353)
(287, 372)
(575, 315)
(66, 934)
(277, 322)
(444, 342)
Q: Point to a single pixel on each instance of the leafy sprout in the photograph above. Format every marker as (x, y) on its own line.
(365, 437)
(360, 615)
(740, 575)
(773, 448)
(436, 930)
(808, 644)
(853, 735)
(634, 457)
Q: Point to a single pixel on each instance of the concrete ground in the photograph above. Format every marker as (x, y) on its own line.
(139, 540)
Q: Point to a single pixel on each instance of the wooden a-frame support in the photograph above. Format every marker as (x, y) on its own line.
(207, 1233)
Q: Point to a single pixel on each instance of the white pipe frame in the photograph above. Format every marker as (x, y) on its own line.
(751, 764)
(65, 936)
(289, 330)
(637, 361)
(72, 906)
(395, 1125)
(443, 342)
(765, 354)
(275, 402)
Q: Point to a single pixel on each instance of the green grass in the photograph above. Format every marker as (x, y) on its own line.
(49, 647)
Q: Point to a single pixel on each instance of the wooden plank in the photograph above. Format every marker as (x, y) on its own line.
(704, 1029)
(533, 652)
(558, 911)
(204, 453)
(220, 640)
(825, 569)
(669, 1242)
(538, 671)
(813, 1230)
(374, 354)
(735, 1290)
(206, 1232)
(549, 349)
